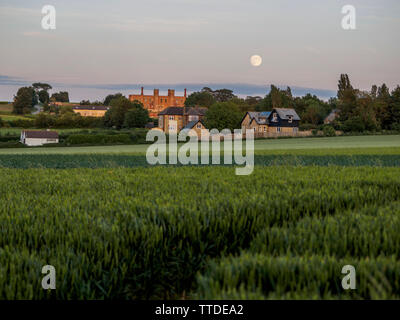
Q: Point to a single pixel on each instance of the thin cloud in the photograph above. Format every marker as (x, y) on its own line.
(37, 34)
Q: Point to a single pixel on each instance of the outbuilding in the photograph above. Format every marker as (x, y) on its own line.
(38, 138)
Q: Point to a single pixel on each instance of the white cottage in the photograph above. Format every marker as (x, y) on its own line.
(38, 138)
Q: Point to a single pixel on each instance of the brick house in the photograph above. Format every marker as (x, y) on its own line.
(279, 121)
(174, 119)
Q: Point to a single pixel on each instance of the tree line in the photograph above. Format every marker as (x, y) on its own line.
(354, 110)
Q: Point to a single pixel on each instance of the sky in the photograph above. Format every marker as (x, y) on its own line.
(100, 47)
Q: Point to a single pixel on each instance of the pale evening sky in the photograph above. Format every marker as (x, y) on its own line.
(169, 42)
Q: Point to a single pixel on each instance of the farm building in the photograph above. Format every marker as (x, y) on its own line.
(283, 121)
(38, 138)
(91, 111)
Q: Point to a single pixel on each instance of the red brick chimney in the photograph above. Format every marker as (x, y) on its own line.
(142, 91)
(185, 93)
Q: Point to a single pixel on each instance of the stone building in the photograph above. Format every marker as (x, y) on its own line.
(156, 103)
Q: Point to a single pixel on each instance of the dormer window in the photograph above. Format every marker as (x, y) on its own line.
(290, 119)
(274, 117)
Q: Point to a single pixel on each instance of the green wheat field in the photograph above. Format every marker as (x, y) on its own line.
(115, 227)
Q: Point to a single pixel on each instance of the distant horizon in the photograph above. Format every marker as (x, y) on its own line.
(92, 92)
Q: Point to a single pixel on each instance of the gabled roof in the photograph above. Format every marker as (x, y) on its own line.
(260, 117)
(172, 111)
(91, 108)
(285, 113)
(41, 134)
(179, 111)
(191, 124)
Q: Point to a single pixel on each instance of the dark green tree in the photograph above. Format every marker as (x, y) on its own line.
(223, 115)
(110, 97)
(61, 96)
(24, 100)
(44, 96)
(200, 99)
(115, 116)
(394, 109)
(38, 86)
(137, 117)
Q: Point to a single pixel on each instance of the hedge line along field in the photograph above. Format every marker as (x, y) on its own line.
(200, 232)
(379, 157)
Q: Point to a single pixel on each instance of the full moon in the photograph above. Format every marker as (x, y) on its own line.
(256, 61)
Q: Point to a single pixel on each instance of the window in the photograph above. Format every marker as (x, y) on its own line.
(193, 118)
(290, 119)
(161, 122)
(278, 129)
(295, 130)
(171, 118)
(275, 117)
(265, 129)
(198, 126)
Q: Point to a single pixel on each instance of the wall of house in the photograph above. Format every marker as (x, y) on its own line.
(246, 122)
(197, 131)
(39, 142)
(91, 113)
(179, 122)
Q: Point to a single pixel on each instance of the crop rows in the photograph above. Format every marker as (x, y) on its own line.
(65, 161)
(168, 232)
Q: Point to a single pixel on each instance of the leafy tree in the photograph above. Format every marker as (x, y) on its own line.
(394, 109)
(115, 116)
(276, 98)
(223, 115)
(314, 114)
(381, 106)
(110, 97)
(38, 86)
(347, 97)
(200, 99)
(344, 87)
(328, 131)
(137, 117)
(223, 95)
(44, 96)
(24, 100)
(61, 96)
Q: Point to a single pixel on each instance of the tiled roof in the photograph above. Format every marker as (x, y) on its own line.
(172, 111)
(191, 124)
(285, 113)
(180, 110)
(41, 134)
(260, 117)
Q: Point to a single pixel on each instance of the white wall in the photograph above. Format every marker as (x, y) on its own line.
(38, 142)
